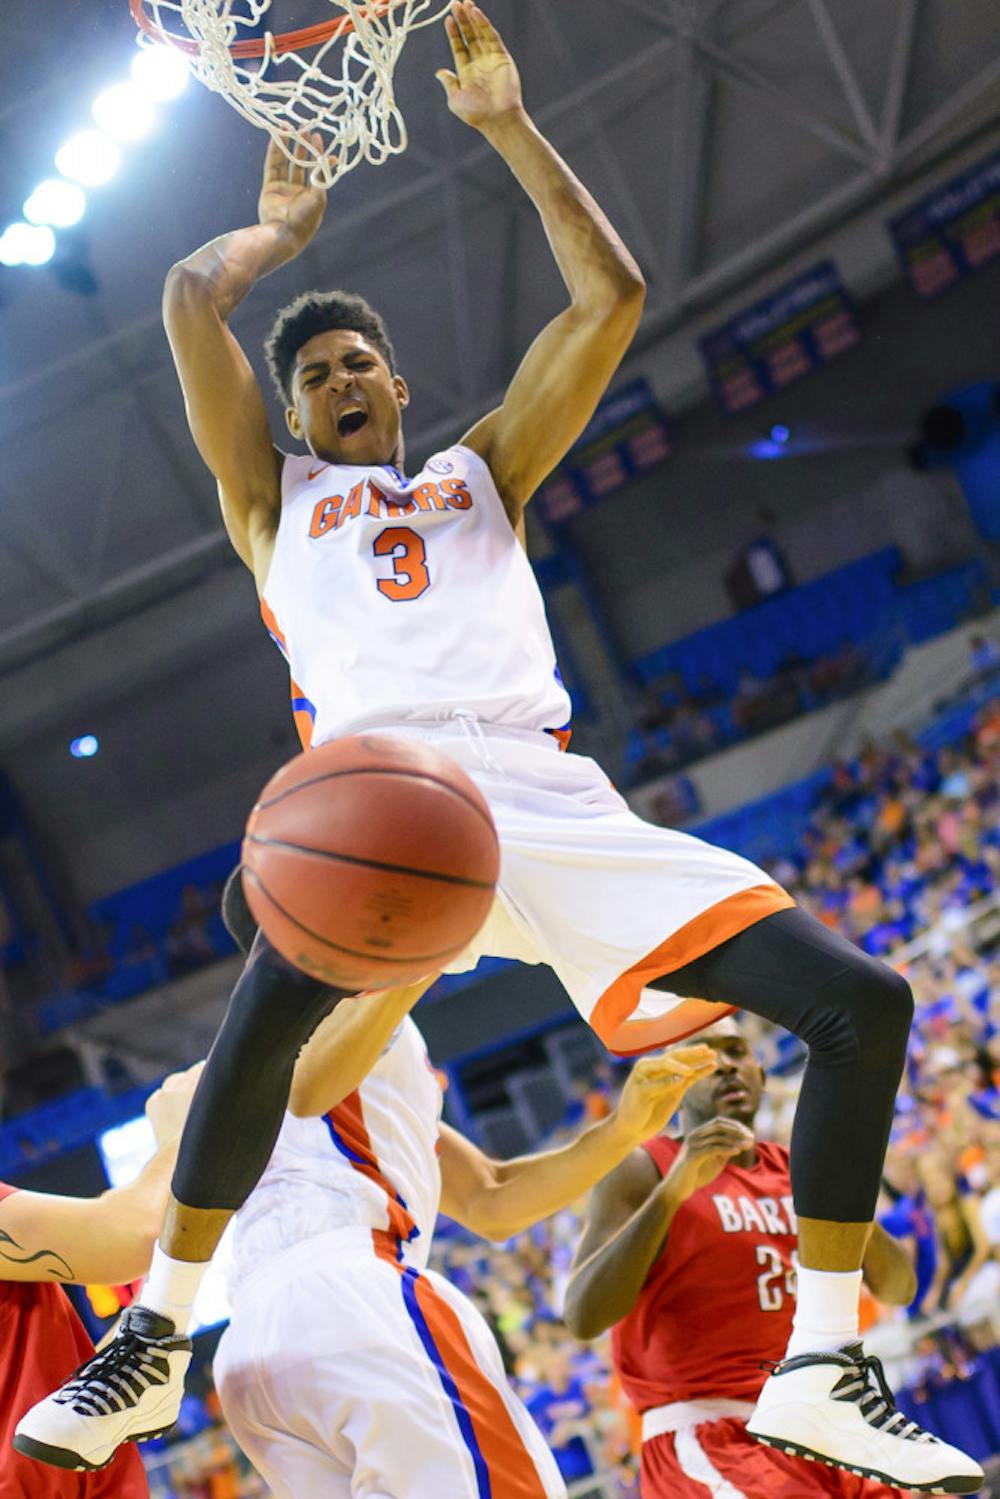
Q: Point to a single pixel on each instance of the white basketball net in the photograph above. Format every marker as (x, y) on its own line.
(340, 90)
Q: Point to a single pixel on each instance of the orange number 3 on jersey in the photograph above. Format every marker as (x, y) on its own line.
(410, 577)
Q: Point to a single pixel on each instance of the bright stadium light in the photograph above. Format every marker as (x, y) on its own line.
(85, 747)
(56, 202)
(89, 157)
(124, 111)
(26, 244)
(161, 72)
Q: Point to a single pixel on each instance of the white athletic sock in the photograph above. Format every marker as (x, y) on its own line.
(171, 1287)
(826, 1311)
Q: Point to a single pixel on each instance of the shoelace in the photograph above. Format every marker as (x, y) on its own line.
(864, 1382)
(115, 1380)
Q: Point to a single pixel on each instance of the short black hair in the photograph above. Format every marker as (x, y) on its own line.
(317, 312)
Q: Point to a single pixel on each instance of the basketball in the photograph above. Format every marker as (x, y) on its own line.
(370, 861)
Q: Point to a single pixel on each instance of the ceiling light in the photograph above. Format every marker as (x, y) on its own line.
(26, 244)
(85, 747)
(780, 433)
(124, 111)
(56, 202)
(90, 157)
(161, 72)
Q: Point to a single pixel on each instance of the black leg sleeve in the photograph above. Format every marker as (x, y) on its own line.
(242, 1095)
(854, 1014)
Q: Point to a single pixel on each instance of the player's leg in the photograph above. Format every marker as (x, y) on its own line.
(522, 1462)
(854, 1014)
(255, 1388)
(291, 1468)
(229, 1136)
(719, 1457)
(349, 1353)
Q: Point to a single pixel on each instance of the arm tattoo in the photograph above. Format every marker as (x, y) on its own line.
(61, 1270)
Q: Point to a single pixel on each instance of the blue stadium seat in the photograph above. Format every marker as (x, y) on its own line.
(813, 620)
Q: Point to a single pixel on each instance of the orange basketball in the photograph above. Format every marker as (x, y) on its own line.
(370, 861)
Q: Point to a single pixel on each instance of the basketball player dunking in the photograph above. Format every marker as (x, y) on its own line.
(407, 606)
(688, 1251)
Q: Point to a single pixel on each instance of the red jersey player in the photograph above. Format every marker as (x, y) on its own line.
(689, 1251)
(47, 1242)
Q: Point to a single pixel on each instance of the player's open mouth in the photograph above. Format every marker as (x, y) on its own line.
(351, 422)
(731, 1092)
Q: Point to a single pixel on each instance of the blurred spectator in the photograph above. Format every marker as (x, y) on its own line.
(90, 962)
(911, 1221)
(675, 727)
(562, 1411)
(984, 656)
(189, 943)
(963, 1246)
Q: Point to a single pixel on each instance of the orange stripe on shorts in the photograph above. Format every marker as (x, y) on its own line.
(610, 1016)
(512, 1470)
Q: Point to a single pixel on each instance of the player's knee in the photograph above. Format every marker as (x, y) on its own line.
(863, 1018)
(881, 1013)
(888, 1017)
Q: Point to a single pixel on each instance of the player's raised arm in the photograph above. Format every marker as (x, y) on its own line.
(499, 1198)
(568, 367)
(345, 1046)
(98, 1240)
(225, 406)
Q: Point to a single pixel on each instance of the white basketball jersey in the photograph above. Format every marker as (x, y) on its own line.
(372, 1162)
(397, 600)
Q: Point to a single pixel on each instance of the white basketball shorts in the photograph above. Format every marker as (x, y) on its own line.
(608, 901)
(348, 1374)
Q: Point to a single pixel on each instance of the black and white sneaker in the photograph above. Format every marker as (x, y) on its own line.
(130, 1392)
(836, 1408)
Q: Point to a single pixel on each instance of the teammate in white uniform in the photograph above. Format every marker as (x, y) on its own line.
(350, 1368)
(408, 606)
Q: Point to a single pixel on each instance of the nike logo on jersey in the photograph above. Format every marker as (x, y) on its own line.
(367, 498)
(755, 1215)
(314, 471)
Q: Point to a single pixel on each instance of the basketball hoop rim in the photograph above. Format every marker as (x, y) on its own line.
(289, 41)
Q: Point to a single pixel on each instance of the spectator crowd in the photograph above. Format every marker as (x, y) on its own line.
(677, 724)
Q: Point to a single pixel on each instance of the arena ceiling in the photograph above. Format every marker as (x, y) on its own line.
(720, 135)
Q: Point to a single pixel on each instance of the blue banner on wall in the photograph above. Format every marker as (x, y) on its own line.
(781, 338)
(951, 233)
(626, 436)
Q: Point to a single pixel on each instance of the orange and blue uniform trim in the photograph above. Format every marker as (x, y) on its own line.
(347, 1130)
(303, 711)
(503, 1464)
(409, 1282)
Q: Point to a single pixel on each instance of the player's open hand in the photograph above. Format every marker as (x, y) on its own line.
(706, 1151)
(485, 87)
(167, 1108)
(657, 1084)
(287, 196)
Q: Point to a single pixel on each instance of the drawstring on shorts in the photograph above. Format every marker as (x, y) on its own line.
(473, 731)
